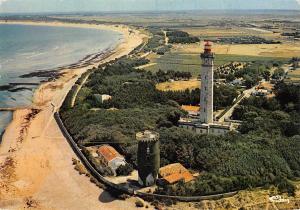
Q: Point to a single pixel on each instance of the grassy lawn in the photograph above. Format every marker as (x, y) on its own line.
(192, 62)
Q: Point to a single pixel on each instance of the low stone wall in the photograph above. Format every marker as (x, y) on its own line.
(85, 161)
(123, 189)
(186, 198)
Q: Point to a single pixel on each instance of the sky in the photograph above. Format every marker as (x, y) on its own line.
(20, 6)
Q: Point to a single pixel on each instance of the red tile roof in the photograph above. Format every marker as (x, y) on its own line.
(174, 173)
(190, 108)
(109, 153)
(185, 176)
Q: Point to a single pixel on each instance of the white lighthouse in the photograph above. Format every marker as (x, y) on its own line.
(207, 85)
(205, 124)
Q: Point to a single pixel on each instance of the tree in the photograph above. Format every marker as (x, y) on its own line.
(249, 81)
(278, 73)
(230, 77)
(124, 170)
(266, 75)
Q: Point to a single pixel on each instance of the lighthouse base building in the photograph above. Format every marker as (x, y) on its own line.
(205, 124)
(200, 128)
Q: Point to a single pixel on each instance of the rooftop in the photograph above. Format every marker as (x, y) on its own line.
(147, 136)
(185, 176)
(190, 108)
(175, 172)
(109, 153)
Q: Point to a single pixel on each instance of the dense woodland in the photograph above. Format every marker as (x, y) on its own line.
(181, 37)
(278, 115)
(246, 40)
(265, 152)
(254, 72)
(224, 95)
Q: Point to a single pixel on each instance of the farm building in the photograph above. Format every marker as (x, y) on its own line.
(261, 92)
(174, 173)
(110, 157)
(101, 98)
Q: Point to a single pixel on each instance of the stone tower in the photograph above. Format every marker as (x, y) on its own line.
(207, 84)
(148, 157)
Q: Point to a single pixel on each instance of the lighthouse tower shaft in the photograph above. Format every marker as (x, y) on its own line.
(207, 85)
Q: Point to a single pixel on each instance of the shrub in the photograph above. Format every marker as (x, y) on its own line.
(124, 170)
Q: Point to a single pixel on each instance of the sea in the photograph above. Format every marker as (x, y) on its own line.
(30, 48)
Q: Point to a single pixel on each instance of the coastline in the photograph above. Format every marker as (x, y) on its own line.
(116, 28)
(33, 140)
(88, 61)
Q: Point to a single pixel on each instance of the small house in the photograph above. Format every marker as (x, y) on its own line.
(110, 157)
(261, 92)
(174, 173)
(101, 98)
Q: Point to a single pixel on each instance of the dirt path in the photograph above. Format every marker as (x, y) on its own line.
(166, 38)
(146, 65)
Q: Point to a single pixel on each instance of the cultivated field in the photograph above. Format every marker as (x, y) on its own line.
(179, 85)
(287, 50)
(191, 62)
(216, 32)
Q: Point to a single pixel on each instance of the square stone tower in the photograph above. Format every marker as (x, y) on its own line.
(207, 85)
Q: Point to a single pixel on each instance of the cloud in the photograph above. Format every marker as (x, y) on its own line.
(298, 1)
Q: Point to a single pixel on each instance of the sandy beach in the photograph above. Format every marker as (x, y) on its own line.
(36, 168)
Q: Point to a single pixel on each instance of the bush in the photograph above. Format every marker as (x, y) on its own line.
(181, 37)
(67, 104)
(124, 170)
(285, 186)
(139, 203)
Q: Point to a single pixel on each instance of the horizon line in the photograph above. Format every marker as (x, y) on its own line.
(142, 11)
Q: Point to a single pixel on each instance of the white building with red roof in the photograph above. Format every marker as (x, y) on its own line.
(110, 157)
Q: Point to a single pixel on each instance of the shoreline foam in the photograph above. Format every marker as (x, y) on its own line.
(41, 160)
(85, 61)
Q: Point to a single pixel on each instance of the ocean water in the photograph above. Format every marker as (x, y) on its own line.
(25, 49)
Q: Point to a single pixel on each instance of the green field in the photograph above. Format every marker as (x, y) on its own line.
(192, 62)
